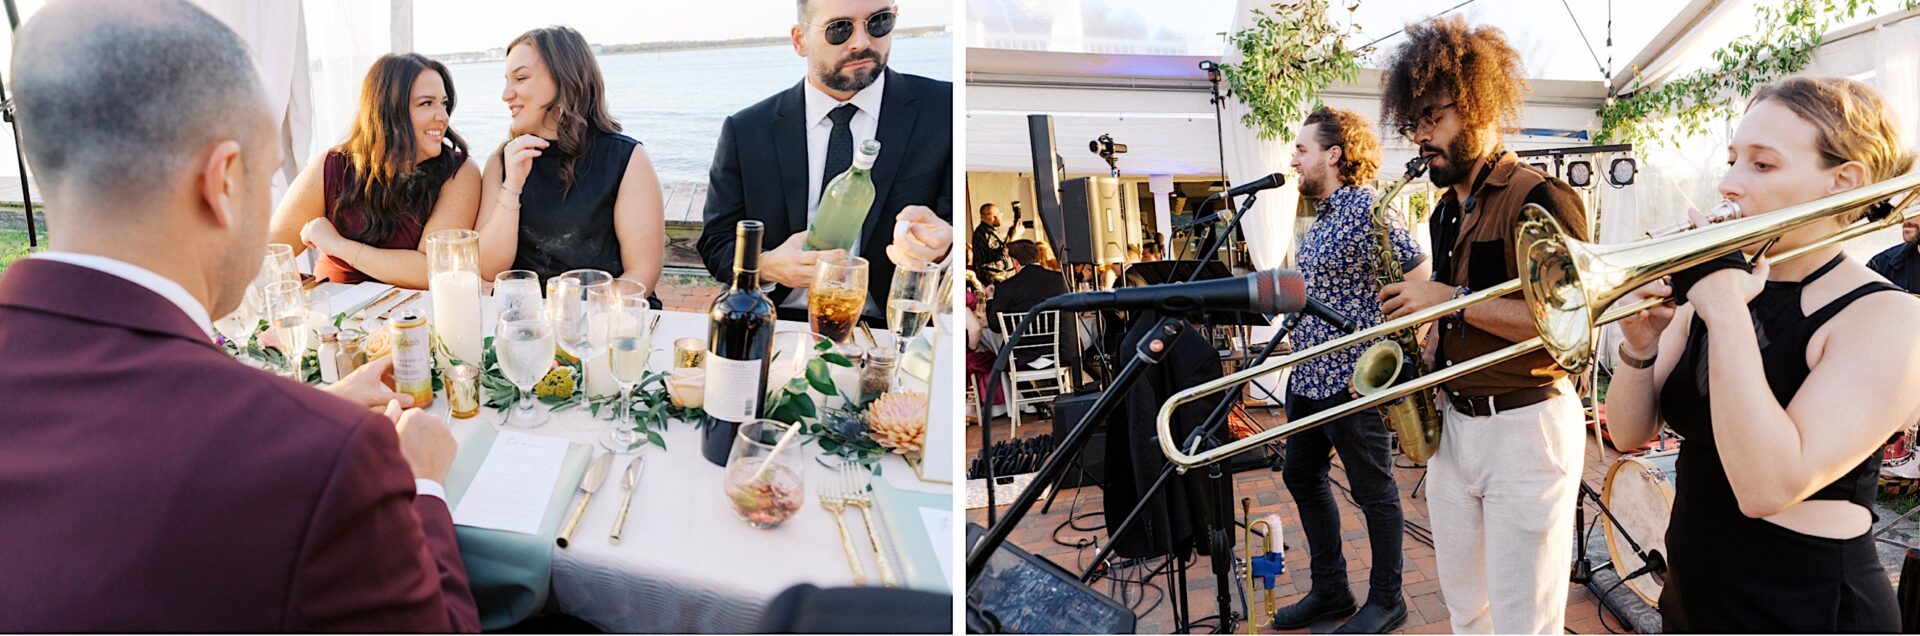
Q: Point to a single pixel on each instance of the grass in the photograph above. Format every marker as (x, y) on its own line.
(13, 246)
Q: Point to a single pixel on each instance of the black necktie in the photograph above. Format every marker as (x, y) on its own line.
(839, 144)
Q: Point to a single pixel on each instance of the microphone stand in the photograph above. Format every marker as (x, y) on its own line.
(1200, 434)
(1151, 351)
(7, 111)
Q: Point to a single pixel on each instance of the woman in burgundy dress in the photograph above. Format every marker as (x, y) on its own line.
(401, 174)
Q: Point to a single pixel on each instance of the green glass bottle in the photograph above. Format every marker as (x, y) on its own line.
(844, 203)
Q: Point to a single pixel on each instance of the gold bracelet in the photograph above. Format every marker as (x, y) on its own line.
(1633, 362)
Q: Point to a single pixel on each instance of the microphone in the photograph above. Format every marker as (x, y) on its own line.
(1268, 182)
(1655, 564)
(1272, 291)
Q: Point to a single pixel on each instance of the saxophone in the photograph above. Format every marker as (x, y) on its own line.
(1398, 358)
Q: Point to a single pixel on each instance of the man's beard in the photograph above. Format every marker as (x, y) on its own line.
(858, 81)
(1314, 188)
(1459, 161)
(1911, 241)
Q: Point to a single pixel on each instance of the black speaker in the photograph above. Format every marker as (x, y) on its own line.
(1077, 204)
(1067, 411)
(1046, 175)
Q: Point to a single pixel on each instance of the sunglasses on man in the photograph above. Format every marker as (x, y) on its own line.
(879, 25)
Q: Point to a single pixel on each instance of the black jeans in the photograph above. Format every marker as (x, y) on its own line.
(1364, 446)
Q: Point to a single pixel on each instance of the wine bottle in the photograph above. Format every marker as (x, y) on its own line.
(844, 203)
(739, 339)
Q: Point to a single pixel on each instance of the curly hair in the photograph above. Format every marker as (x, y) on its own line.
(1854, 122)
(1359, 148)
(1443, 56)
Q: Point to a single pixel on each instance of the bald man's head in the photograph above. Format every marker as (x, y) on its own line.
(119, 97)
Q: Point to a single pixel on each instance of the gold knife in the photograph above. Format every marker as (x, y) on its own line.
(362, 308)
(629, 481)
(590, 482)
(410, 298)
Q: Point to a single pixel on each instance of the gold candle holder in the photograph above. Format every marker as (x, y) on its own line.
(463, 390)
(689, 353)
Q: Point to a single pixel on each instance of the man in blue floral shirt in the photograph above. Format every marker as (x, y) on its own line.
(1335, 154)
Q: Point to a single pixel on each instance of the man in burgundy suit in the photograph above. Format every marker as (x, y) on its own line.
(147, 480)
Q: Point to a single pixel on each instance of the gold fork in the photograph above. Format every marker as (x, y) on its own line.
(856, 495)
(831, 499)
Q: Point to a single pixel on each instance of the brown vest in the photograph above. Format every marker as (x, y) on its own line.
(1486, 236)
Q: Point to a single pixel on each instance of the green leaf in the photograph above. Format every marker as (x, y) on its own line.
(818, 377)
(655, 439)
(836, 359)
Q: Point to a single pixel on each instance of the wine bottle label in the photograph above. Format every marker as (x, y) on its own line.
(732, 388)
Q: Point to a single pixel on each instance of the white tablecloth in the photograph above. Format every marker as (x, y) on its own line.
(685, 562)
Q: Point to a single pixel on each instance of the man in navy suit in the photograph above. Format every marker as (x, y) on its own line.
(149, 482)
(775, 156)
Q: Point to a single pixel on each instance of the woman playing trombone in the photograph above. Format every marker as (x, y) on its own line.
(1785, 383)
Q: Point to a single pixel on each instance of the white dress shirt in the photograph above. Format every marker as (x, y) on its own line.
(188, 305)
(864, 125)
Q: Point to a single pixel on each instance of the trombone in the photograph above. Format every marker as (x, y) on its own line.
(1569, 286)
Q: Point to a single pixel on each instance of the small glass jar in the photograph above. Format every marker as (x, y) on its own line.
(463, 390)
(351, 355)
(877, 377)
(329, 355)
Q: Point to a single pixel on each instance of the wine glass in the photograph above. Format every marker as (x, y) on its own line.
(764, 498)
(287, 317)
(910, 301)
(280, 264)
(629, 343)
(523, 344)
(319, 311)
(516, 289)
(578, 304)
(838, 295)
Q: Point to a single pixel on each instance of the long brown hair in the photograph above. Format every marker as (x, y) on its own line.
(579, 105)
(385, 173)
(1359, 149)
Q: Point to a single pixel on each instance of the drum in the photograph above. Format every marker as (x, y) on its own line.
(1639, 492)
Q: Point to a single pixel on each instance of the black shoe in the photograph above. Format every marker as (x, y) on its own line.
(1376, 618)
(1317, 606)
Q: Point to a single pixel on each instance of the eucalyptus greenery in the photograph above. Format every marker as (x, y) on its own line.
(1288, 57)
(1782, 43)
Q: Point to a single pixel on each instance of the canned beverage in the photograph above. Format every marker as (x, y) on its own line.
(412, 356)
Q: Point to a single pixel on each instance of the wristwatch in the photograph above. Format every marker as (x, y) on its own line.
(1637, 363)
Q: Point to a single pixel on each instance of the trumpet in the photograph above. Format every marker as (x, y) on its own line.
(1569, 286)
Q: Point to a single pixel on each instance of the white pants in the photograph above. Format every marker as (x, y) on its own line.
(1501, 492)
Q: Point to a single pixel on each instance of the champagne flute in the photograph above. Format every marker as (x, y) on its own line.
(629, 343)
(516, 289)
(523, 344)
(910, 301)
(838, 295)
(578, 304)
(280, 264)
(287, 318)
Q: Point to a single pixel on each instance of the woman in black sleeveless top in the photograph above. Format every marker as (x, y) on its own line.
(1784, 383)
(568, 191)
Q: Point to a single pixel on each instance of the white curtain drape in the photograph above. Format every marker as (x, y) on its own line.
(1269, 227)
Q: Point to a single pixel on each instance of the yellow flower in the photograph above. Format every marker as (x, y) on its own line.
(559, 383)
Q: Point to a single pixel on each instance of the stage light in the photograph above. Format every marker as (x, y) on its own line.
(1622, 171)
(1541, 166)
(1580, 173)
